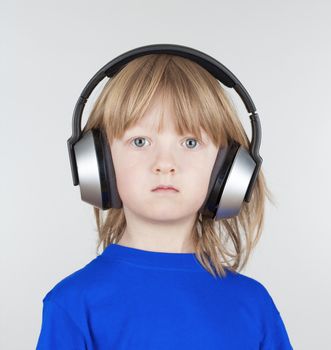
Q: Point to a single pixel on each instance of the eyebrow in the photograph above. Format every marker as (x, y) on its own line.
(138, 127)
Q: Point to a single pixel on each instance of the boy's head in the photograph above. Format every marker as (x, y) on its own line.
(147, 156)
(166, 118)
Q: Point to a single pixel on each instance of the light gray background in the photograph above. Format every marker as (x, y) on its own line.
(279, 50)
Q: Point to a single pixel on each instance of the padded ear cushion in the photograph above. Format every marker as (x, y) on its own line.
(111, 185)
(219, 174)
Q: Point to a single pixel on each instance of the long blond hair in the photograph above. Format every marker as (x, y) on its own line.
(199, 101)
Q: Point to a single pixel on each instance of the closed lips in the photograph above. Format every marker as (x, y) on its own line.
(164, 187)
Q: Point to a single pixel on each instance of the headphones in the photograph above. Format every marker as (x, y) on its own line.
(235, 170)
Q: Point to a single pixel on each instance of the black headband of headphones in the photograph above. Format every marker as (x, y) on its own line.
(214, 67)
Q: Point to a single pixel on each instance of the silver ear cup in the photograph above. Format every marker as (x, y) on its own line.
(91, 177)
(229, 181)
(96, 174)
(236, 185)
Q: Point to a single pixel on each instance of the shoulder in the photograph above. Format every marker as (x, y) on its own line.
(256, 300)
(77, 285)
(246, 281)
(252, 291)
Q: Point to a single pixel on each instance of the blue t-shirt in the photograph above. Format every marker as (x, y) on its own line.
(129, 298)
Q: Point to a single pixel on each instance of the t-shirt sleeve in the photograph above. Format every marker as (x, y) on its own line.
(275, 334)
(58, 330)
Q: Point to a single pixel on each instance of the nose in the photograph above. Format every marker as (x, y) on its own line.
(164, 159)
(164, 165)
(164, 170)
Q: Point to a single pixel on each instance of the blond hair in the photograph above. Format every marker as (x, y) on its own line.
(199, 101)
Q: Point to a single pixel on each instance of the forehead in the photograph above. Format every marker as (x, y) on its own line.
(152, 127)
(154, 122)
(159, 114)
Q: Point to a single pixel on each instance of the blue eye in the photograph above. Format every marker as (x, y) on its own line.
(137, 138)
(193, 139)
(143, 138)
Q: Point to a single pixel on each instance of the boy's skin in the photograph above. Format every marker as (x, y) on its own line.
(161, 221)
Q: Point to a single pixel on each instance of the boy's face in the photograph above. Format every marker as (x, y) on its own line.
(144, 159)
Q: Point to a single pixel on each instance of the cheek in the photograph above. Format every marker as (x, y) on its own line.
(200, 166)
(198, 178)
(198, 184)
(130, 182)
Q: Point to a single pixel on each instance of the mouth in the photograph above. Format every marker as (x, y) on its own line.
(165, 188)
